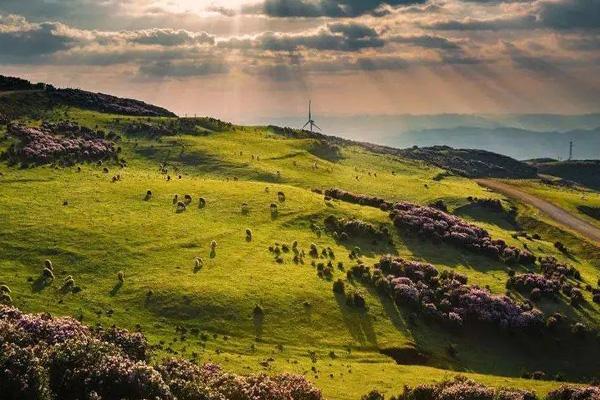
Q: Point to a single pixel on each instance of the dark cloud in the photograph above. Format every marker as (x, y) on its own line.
(171, 69)
(426, 41)
(581, 43)
(570, 14)
(547, 14)
(170, 37)
(227, 12)
(20, 41)
(349, 37)
(492, 24)
(326, 8)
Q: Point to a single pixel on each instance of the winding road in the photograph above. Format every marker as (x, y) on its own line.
(558, 214)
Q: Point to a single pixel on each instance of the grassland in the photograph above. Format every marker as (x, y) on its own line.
(92, 228)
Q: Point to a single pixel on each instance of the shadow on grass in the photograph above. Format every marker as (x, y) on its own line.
(258, 319)
(358, 322)
(116, 288)
(40, 284)
(501, 219)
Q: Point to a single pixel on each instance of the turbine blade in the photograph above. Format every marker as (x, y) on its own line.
(316, 126)
(306, 124)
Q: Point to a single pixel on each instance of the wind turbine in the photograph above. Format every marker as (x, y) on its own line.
(310, 122)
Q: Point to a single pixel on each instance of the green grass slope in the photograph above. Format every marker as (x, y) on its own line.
(92, 228)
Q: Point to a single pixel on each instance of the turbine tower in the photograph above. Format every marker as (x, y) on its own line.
(310, 122)
(570, 151)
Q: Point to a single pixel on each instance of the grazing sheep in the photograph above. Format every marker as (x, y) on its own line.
(201, 203)
(181, 207)
(4, 289)
(148, 195)
(188, 199)
(198, 263)
(175, 199)
(245, 208)
(48, 264)
(248, 234)
(5, 298)
(48, 274)
(69, 282)
(121, 276)
(105, 170)
(281, 197)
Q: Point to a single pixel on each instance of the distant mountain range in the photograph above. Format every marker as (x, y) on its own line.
(523, 136)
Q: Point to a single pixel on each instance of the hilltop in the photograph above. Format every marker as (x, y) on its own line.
(27, 98)
(270, 250)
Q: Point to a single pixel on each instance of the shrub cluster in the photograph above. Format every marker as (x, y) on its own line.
(439, 226)
(553, 269)
(447, 297)
(349, 197)
(43, 358)
(536, 285)
(354, 228)
(40, 146)
(491, 204)
(462, 388)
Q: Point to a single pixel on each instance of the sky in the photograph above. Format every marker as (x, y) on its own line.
(247, 60)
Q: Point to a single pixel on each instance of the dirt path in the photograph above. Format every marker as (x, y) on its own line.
(558, 214)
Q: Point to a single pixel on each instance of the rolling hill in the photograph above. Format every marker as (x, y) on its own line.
(226, 244)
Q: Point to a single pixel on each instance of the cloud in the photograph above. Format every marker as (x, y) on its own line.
(325, 8)
(545, 14)
(20, 40)
(347, 37)
(425, 41)
(170, 69)
(570, 14)
(491, 24)
(170, 37)
(227, 12)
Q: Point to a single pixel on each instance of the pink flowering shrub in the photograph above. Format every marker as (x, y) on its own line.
(44, 358)
(575, 393)
(462, 388)
(447, 297)
(528, 282)
(439, 226)
(42, 146)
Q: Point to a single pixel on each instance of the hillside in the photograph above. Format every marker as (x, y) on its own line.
(19, 98)
(227, 244)
(583, 172)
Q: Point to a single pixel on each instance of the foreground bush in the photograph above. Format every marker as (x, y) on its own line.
(45, 358)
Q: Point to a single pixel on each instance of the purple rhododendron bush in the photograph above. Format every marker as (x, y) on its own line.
(45, 145)
(462, 388)
(447, 297)
(43, 358)
(439, 226)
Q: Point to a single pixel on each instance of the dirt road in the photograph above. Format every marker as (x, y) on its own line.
(558, 214)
